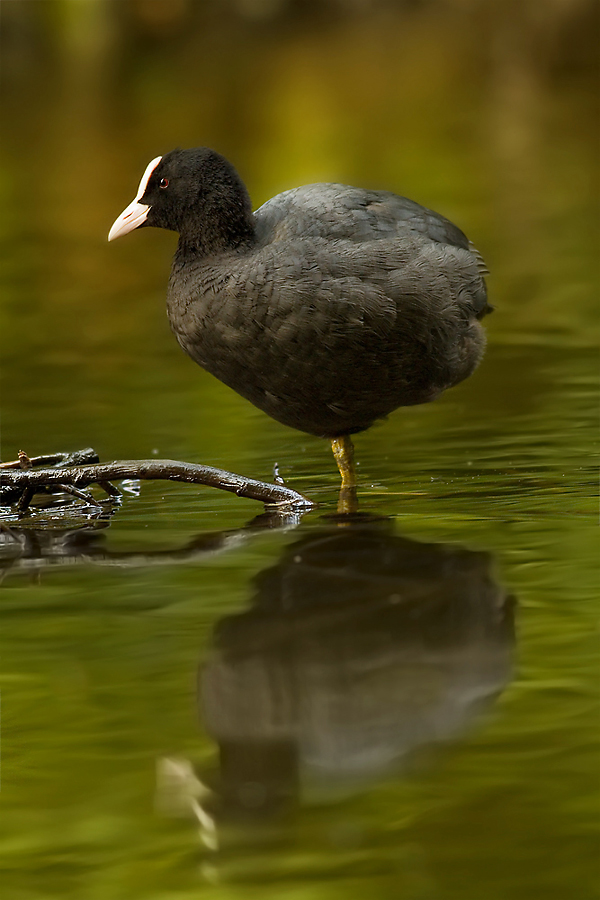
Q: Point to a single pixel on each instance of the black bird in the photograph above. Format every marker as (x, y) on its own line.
(327, 308)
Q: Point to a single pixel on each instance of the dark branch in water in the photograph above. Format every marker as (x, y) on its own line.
(19, 480)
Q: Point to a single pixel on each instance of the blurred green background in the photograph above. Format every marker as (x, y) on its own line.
(484, 111)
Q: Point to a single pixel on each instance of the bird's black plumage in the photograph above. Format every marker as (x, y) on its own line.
(327, 308)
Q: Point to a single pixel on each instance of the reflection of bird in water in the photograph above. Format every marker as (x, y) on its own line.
(359, 649)
(328, 308)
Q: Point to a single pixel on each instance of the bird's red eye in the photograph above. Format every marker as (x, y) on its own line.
(164, 182)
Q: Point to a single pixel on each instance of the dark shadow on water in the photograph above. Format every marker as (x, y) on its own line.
(31, 546)
(359, 652)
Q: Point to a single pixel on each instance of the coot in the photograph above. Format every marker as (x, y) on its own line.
(327, 308)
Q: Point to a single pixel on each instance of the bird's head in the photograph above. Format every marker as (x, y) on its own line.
(195, 192)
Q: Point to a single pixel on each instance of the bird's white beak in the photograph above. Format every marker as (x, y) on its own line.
(129, 219)
(136, 213)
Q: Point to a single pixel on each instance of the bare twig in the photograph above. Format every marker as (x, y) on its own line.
(76, 458)
(25, 499)
(24, 460)
(12, 477)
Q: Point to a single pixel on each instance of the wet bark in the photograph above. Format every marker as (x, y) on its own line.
(21, 479)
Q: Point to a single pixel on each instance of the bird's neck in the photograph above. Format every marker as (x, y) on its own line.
(220, 223)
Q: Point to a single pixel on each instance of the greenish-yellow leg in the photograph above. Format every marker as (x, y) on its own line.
(343, 450)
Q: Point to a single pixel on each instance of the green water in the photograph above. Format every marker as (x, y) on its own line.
(195, 702)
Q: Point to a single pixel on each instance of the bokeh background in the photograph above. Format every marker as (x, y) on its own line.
(485, 111)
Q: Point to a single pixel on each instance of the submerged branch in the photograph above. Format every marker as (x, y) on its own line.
(29, 480)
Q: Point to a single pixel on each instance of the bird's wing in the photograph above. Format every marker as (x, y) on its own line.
(340, 212)
(333, 288)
